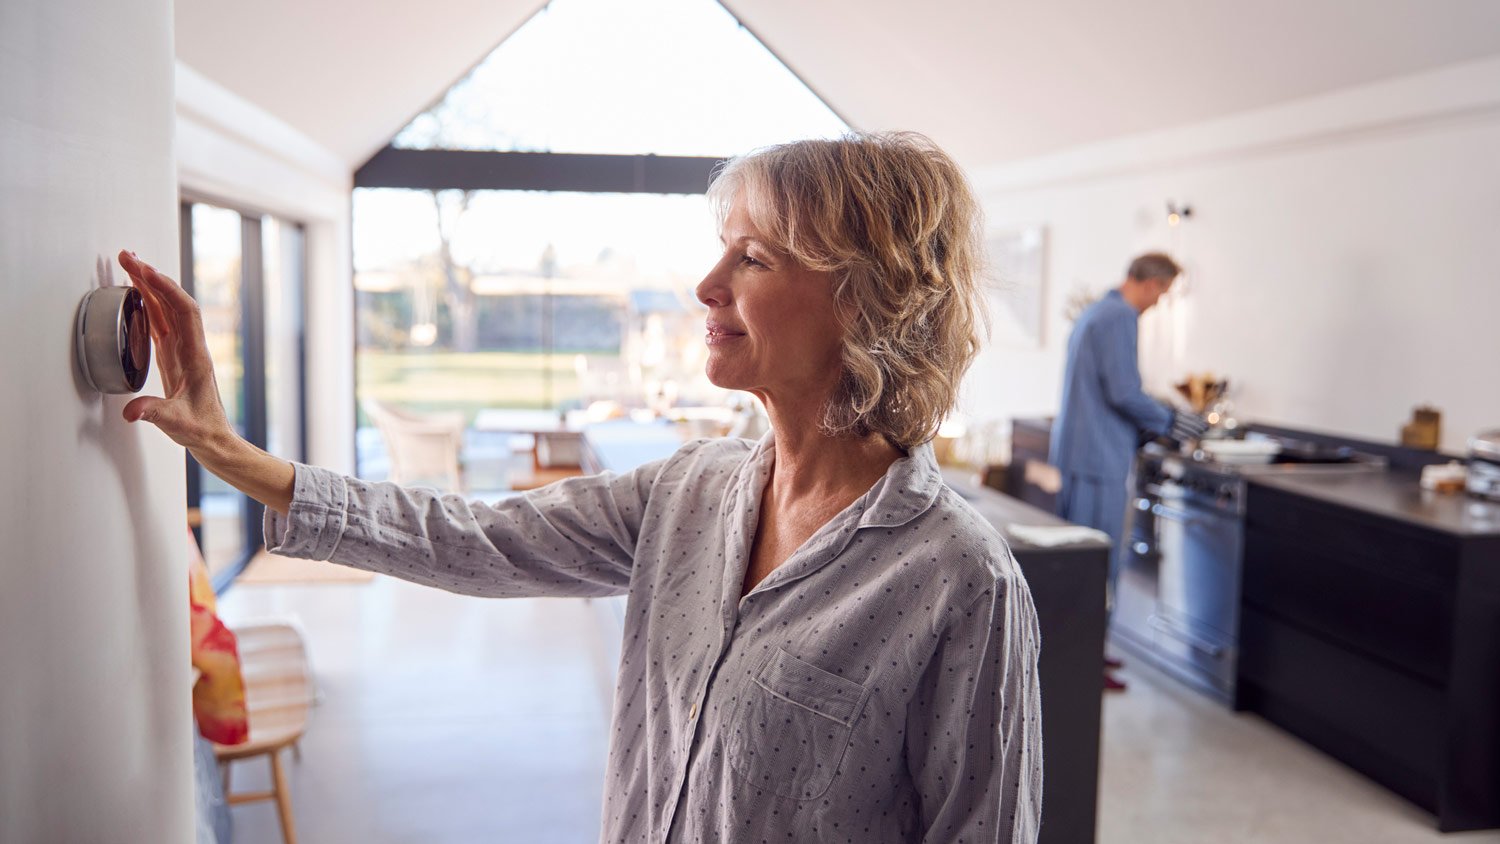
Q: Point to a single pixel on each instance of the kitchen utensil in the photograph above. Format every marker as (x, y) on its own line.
(1484, 465)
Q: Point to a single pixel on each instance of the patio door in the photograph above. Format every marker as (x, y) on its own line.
(245, 269)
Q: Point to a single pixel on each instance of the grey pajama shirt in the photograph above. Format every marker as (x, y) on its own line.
(879, 686)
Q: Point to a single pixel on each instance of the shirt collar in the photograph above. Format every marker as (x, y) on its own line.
(906, 491)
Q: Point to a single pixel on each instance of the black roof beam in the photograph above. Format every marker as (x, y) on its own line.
(433, 169)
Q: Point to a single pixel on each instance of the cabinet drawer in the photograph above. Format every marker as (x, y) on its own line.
(1351, 599)
(1377, 720)
(1389, 548)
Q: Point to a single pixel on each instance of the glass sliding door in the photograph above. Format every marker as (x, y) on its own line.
(284, 251)
(245, 271)
(524, 305)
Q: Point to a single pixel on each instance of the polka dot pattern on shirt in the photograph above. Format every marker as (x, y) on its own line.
(879, 686)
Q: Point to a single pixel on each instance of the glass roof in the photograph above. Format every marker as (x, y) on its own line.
(670, 77)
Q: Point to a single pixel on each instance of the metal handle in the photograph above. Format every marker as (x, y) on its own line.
(1172, 513)
(1163, 625)
(1206, 517)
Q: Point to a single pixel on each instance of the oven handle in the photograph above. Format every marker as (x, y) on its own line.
(1176, 515)
(1162, 625)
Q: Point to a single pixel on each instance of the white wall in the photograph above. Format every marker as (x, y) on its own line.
(95, 724)
(231, 151)
(1342, 255)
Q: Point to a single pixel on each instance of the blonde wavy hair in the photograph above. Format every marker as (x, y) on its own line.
(892, 217)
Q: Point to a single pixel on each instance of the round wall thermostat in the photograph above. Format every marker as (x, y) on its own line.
(114, 340)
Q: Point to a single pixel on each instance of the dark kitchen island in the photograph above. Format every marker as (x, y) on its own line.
(1067, 584)
(1370, 627)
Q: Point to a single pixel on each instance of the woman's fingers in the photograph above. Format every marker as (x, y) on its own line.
(143, 407)
(172, 417)
(180, 340)
(191, 413)
(176, 298)
(160, 325)
(163, 327)
(177, 306)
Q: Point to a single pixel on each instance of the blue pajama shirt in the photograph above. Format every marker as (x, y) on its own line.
(1103, 414)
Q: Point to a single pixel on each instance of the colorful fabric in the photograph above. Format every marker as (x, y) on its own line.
(219, 693)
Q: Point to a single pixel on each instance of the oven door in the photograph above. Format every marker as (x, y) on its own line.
(1197, 614)
(1135, 596)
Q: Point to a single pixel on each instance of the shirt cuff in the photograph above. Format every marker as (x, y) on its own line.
(315, 522)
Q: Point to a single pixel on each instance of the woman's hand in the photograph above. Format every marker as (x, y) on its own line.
(191, 412)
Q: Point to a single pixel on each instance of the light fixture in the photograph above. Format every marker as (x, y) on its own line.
(1177, 213)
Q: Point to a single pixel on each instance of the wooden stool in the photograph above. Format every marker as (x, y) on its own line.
(524, 481)
(278, 693)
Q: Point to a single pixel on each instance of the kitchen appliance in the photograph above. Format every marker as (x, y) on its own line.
(1484, 465)
(1177, 600)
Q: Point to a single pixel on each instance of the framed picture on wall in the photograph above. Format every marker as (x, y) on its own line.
(1016, 283)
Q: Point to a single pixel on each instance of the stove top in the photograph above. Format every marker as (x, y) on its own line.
(1197, 475)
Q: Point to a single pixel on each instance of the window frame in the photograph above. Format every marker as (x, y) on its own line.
(252, 328)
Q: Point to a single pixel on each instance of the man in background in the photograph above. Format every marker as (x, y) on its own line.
(1105, 412)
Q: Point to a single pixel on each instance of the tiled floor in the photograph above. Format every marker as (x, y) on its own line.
(1177, 767)
(450, 720)
(443, 719)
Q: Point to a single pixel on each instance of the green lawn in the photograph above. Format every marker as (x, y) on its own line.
(464, 381)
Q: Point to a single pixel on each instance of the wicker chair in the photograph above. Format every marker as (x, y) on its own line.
(424, 447)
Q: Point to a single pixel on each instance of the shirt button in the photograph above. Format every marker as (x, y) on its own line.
(693, 711)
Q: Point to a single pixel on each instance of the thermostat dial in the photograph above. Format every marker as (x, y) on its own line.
(114, 340)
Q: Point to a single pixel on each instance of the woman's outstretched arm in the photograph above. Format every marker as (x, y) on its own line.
(573, 538)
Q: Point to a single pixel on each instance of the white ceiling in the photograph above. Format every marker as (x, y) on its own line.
(991, 81)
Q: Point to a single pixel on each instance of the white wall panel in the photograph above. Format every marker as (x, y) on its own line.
(1342, 255)
(95, 724)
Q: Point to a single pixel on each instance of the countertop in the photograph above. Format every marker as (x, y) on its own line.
(1002, 511)
(1393, 495)
(621, 446)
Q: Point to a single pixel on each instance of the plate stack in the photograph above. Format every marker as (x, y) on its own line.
(1240, 451)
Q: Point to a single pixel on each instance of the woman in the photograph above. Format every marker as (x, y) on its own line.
(822, 641)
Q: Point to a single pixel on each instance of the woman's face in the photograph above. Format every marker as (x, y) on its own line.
(771, 328)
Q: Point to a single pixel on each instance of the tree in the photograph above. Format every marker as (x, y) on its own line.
(458, 280)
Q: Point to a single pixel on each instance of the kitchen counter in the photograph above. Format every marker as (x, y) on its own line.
(1370, 627)
(1003, 511)
(1067, 586)
(1393, 495)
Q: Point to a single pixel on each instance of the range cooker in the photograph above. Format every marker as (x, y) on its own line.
(1177, 601)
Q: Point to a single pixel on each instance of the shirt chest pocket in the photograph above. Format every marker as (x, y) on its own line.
(792, 727)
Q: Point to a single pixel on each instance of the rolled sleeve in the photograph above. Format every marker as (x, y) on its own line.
(316, 519)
